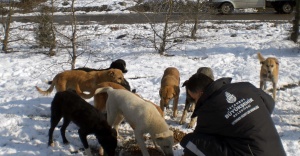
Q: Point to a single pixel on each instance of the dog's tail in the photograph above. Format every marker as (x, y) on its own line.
(103, 90)
(260, 57)
(49, 90)
(46, 92)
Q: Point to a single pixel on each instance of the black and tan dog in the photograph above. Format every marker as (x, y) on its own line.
(268, 72)
(190, 102)
(117, 64)
(72, 108)
(81, 81)
(169, 89)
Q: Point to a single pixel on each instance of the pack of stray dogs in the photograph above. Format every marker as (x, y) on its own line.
(114, 101)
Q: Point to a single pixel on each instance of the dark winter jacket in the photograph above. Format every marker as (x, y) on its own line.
(240, 115)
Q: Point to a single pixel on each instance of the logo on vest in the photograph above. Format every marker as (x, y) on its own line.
(230, 97)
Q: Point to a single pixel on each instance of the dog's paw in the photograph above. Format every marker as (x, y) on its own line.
(51, 144)
(190, 125)
(181, 122)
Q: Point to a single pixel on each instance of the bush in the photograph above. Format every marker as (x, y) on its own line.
(44, 34)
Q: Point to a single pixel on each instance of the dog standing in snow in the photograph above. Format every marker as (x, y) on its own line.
(141, 115)
(268, 72)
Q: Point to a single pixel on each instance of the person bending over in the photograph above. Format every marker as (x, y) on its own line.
(234, 119)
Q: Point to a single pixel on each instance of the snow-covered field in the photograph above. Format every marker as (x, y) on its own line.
(228, 48)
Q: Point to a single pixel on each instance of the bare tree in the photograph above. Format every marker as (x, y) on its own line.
(164, 38)
(71, 40)
(196, 12)
(73, 37)
(295, 33)
(6, 21)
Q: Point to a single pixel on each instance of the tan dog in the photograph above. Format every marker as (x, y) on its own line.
(100, 98)
(169, 89)
(141, 116)
(268, 72)
(81, 81)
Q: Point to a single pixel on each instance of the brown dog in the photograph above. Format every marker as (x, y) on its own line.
(81, 81)
(170, 89)
(268, 72)
(100, 98)
(190, 102)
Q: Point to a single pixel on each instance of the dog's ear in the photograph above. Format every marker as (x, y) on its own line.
(184, 83)
(277, 62)
(111, 73)
(260, 57)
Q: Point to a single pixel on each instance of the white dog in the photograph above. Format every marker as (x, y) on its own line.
(142, 116)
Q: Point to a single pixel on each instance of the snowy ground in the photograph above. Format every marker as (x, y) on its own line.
(228, 48)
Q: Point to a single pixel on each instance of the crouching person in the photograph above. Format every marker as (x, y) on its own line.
(233, 119)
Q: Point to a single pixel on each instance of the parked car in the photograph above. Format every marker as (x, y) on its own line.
(7, 1)
(227, 6)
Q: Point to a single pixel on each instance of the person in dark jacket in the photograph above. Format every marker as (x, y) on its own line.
(234, 119)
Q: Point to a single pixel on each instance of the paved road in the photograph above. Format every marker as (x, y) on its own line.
(149, 17)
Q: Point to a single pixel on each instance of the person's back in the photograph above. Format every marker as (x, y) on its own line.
(235, 119)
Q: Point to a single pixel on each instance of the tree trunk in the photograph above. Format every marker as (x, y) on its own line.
(53, 45)
(162, 47)
(73, 38)
(7, 29)
(295, 33)
(196, 21)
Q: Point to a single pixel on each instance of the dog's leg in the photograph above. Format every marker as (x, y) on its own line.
(175, 105)
(183, 118)
(261, 84)
(274, 90)
(55, 118)
(192, 122)
(162, 106)
(118, 120)
(111, 114)
(192, 107)
(141, 142)
(82, 136)
(63, 130)
(184, 114)
(114, 118)
(265, 85)
(157, 147)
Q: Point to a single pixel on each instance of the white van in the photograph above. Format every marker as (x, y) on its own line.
(227, 6)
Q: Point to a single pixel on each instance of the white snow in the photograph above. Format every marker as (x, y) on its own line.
(24, 113)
